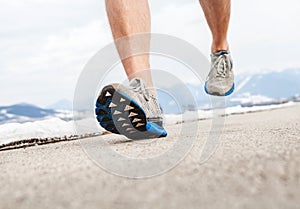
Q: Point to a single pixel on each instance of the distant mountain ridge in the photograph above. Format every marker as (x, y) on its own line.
(255, 89)
(281, 84)
(18, 111)
(62, 104)
(23, 112)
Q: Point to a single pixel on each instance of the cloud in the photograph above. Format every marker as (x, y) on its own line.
(45, 44)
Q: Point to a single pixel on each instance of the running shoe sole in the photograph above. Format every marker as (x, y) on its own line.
(120, 114)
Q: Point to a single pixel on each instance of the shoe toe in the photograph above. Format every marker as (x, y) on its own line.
(218, 88)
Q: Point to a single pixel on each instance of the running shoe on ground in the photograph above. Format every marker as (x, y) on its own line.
(131, 111)
(220, 80)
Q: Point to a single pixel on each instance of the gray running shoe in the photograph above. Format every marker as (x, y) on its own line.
(220, 80)
(147, 101)
(131, 111)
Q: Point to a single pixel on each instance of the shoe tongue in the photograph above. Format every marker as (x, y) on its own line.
(135, 83)
(221, 52)
(139, 85)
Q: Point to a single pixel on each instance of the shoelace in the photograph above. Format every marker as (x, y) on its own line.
(221, 63)
(139, 87)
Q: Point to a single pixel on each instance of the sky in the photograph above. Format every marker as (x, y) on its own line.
(46, 44)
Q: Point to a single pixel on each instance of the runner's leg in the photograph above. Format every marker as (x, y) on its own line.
(217, 13)
(126, 18)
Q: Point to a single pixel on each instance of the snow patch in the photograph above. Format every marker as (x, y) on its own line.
(247, 98)
(48, 128)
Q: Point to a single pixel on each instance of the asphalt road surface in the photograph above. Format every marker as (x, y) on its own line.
(256, 165)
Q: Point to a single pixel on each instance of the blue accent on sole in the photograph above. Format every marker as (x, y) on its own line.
(154, 128)
(217, 94)
(230, 91)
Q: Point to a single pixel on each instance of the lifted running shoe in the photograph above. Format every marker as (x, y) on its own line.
(130, 111)
(220, 80)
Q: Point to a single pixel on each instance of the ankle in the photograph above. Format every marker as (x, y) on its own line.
(219, 47)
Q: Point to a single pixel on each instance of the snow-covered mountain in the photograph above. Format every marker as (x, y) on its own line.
(284, 84)
(27, 112)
